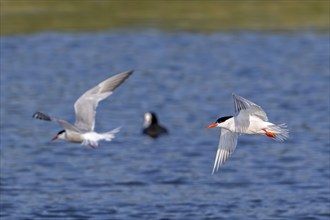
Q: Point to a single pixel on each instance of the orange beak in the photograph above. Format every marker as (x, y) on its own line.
(212, 125)
(54, 138)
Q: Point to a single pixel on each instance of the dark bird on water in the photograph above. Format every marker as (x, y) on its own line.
(151, 126)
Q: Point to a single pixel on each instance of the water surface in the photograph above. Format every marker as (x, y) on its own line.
(187, 79)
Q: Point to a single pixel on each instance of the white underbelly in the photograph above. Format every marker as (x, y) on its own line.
(255, 126)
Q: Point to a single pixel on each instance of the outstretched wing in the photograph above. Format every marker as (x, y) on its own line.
(66, 125)
(85, 106)
(227, 145)
(244, 106)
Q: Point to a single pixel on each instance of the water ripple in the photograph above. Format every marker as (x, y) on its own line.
(187, 79)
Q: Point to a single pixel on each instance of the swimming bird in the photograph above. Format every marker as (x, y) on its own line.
(151, 126)
(85, 109)
(251, 119)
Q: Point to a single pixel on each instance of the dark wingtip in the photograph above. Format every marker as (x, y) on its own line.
(36, 115)
(41, 116)
(129, 72)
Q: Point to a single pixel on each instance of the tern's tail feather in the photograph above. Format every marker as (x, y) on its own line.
(281, 131)
(92, 138)
(108, 136)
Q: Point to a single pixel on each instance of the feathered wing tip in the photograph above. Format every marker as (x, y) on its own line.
(42, 116)
(220, 158)
(281, 132)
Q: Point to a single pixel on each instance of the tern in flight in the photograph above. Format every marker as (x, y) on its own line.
(251, 119)
(85, 109)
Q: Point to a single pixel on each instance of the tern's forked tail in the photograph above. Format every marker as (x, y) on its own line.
(108, 136)
(92, 138)
(280, 131)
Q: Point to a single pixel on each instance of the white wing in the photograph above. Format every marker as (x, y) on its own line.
(227, 145)
(244, 106)
(85, 106)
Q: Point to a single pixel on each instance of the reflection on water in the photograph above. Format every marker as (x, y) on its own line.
(187, 79)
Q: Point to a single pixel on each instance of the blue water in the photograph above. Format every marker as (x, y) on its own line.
(187, 79)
